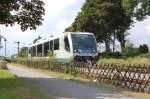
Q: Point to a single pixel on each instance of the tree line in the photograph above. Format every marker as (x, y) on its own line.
(109, 20)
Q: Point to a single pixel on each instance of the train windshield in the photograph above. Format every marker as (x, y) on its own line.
(83, 42)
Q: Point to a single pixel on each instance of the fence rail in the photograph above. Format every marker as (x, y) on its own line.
(133, 77)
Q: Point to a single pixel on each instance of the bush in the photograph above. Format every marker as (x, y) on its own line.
(143, 49)
(53, 63)
(147, 55)
(110, 55)
(130, 50)
(3, 64)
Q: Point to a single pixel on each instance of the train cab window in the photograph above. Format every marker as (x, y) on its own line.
(56, 44)
(67, 47)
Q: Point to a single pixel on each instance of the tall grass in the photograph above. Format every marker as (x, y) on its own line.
(135, 60)
(3, 64)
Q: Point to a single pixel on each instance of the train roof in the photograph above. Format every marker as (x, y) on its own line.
(41, 41)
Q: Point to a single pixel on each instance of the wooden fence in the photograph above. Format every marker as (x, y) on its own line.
(133, 77)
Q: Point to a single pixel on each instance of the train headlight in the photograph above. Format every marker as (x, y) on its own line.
(80, 51)
(94, 51)
(75, 51)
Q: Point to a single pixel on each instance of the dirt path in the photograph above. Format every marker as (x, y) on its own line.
(64, 89)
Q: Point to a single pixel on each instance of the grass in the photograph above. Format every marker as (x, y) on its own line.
(140, 59)
(134, 60)
(89, 82)
(12, 87)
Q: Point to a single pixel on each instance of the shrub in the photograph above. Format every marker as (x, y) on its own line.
(147, 55)
(130, 50)
(143, 49)
(110, 55)
(53, 63)
(3, 64)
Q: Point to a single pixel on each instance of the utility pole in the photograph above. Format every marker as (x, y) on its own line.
(5, 43)
(18, 48)
(5, 47)
(1, 43)
(0, 40)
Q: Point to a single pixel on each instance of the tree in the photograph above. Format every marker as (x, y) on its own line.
(142, 9)
(105, 18)
(26, 13)
(134, 9)
(36, 39)
(137, 9)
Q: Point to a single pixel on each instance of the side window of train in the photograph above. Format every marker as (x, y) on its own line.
(67, 47)
(46, 48)
(51, 45)
(39, 50)
(33, 51)
(30, 50)
(56, 44)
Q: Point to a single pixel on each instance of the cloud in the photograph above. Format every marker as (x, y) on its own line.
(61, 25)
(147, 28)
(140, 33)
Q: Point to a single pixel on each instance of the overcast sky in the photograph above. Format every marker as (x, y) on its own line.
(59, 15)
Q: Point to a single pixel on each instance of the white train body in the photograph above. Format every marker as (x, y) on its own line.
(67, 47)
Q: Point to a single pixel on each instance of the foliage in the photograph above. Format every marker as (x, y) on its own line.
(51, 54)
(142, 9)
(110, 55)
(3, 64)
(105, 18)
(53, 63)
(110, 18)
(26, 13)
(147, 55)
(36, 39)
(131, 60)
(23, 53)
(143, 49)
(129, 50)
(136, 9)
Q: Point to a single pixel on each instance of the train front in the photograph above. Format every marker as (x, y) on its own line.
(84, 46)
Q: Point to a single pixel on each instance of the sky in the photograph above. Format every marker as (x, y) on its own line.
(59, 14)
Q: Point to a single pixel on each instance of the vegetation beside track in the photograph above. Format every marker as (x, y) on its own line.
(133, 60)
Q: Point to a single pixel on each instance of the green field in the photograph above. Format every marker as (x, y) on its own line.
(12, 87)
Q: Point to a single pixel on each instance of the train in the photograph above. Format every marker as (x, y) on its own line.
(67, 47)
